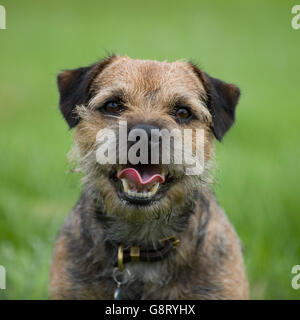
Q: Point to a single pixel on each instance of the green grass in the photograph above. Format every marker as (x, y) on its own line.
(250, 43)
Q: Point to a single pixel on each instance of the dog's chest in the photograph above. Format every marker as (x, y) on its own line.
(143, 280)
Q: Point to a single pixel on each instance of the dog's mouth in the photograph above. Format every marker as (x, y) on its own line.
(143, 183)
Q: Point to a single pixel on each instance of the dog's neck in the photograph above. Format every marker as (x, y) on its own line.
(148, 232)
(101, 234)
(120, 231)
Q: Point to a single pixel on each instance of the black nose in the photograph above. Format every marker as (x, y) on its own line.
(146, 127)
(155, 135)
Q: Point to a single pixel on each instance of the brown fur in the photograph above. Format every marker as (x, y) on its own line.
(208, 263)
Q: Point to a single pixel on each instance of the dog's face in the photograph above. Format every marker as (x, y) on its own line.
(145, 95)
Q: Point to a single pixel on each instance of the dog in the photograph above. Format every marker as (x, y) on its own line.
(146, 231)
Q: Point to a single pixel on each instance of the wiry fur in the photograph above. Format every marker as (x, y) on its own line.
(208, 263)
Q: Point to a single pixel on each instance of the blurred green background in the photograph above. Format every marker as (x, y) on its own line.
(250, 43)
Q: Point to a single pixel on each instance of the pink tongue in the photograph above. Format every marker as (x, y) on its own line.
(144, 177)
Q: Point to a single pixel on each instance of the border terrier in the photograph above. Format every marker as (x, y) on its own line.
(146, 231)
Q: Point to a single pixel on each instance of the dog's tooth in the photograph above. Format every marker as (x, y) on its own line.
(125, 185)
(154, 188)
(131, 186)
(142, 194)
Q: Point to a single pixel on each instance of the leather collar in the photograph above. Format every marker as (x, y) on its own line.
(152, 254)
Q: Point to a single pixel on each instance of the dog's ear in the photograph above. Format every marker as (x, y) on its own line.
(222, 99)
(74, 88)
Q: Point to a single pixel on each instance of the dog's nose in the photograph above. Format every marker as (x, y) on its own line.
(153, 138)
(146, 127)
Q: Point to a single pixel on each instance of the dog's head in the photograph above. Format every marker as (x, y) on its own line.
(130, 107)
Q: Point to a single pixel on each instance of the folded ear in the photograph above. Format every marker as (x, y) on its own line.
(74, 88)
(222, 99)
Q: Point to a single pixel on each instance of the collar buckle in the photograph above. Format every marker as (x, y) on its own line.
(135, 254)
(175, 240)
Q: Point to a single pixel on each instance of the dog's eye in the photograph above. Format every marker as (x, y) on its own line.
(182, 113)
(113, 107)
